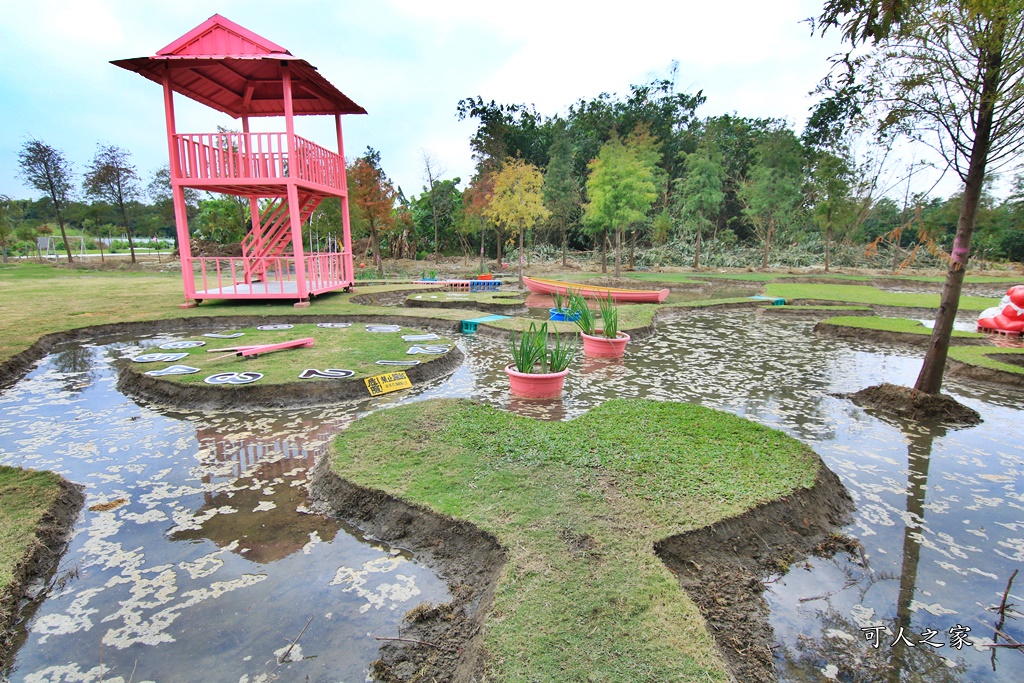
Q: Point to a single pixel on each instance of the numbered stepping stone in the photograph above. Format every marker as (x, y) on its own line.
(183, 345)
(173, 370)
(214, 335)
(383, 328)
(398, 362)
(329, 373)
(281, 326)
(420, 337)
(159, 357)
(433, 350)
(334, 326)
(222, 378)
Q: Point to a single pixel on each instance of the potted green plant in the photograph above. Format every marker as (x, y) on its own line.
(606, 341)
(537, 370)
(562, 311)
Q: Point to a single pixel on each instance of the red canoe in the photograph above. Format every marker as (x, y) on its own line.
(642, 296)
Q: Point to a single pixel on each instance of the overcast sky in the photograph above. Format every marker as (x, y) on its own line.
(407, 62)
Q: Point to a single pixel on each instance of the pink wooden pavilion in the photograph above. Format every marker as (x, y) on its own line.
(284, 176)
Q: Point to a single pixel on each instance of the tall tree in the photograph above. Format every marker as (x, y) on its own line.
(561, 189)
(112, 178)
(432, 172)
(700, 192)
(772, 191)
(7, 212)
(159, 192)
(45, 169)
(621, 188)
(830, 195)
(475, 201)
(373, 199)
(517, 202)
(953, 77)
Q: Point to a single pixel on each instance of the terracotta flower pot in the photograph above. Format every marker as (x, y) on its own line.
(602, 347)
(533, 385)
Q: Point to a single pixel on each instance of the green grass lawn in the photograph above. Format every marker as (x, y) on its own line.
(25, 497)
(350, 348)
(625, 475)
(902, 325)
(982, 356)
(866, 294)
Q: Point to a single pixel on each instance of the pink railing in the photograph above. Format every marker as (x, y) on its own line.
(258, 156)
(225, 276)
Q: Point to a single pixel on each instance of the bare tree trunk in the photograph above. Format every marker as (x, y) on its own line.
(618, 252)
(64, 235)
(828, 244)
(930, 378)
(375, 242)
(768, 242)
(604, 253)
(481, 250)
(696, 251)
(632, 250)
(499, 246)
(520, 255)
(565, 239)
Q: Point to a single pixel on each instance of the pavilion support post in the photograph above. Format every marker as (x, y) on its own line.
(294, 210)
(178, 195)
(347, 263)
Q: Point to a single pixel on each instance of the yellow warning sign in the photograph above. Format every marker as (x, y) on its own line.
(392, 381)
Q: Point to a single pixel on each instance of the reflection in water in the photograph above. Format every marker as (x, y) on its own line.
(215, 562)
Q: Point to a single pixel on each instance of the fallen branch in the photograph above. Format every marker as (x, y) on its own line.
(410, 640)
(284, 657)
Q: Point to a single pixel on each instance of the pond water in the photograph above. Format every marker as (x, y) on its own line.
(180, 583)
(212, 563)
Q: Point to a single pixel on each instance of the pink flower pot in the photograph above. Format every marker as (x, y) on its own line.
(531, 385)
(602, 347)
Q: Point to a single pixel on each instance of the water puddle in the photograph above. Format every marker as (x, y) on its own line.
(213, 564)
(200, 560)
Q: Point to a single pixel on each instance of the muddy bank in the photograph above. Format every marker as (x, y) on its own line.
(889, 337)
(810, 312)
(135, 383)
(33, 574)
(723, 566)
(963, 370)
(514, 307)
(906, 403)
(393, 297)
(442, 642)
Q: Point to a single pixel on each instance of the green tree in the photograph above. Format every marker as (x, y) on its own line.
(8, 210)
(952, 76)
(561, 189)
(772, 192)
(112, 178)
(830, 195)
(517, 201)
(222, 220)
(475, 201)
(45, 169)
(700, 192)
(621, 188)
(372, 200)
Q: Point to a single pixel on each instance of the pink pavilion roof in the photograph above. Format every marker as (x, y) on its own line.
(233, 70)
